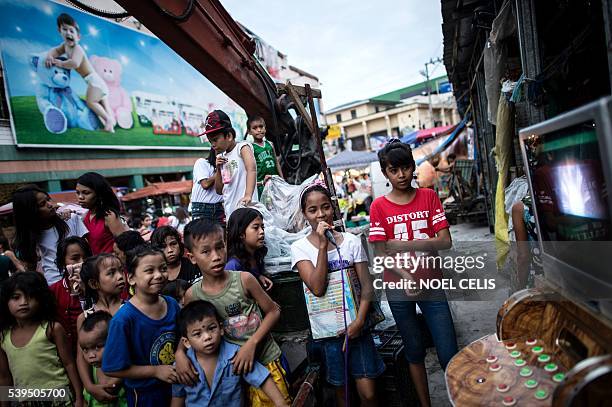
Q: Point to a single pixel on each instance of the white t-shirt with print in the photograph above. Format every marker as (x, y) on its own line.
(48, 247)
(323, 311)
(235, 189)
(351, 251)
(203, 170)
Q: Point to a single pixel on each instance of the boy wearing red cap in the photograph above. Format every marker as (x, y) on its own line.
(236, 173)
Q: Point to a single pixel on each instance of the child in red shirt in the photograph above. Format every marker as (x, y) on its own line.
(408, 222)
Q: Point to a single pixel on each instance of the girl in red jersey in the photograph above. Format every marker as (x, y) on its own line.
(408, 221)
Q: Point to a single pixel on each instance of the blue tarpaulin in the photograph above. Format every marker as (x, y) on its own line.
(448, 141)
(410, 138)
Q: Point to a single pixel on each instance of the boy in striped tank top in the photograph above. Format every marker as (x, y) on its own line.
(239, 300)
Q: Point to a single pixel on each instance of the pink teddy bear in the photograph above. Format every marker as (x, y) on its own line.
(110, 71)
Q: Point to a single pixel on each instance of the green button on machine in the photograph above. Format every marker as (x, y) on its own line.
(530, 384)
(544, 358)
(541, 394)
(551, 367)
(558, 377)
(537, 349)
(515, 354)
(520, 362)
(526, 372)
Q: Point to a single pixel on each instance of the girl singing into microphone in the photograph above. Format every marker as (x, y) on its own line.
(314, 256)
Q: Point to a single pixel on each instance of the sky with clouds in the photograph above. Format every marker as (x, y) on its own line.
(357, 49)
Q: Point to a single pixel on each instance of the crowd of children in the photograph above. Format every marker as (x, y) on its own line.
(217, 343)
(186, 318)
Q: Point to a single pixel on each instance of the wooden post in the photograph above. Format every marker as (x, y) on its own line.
(329, 180)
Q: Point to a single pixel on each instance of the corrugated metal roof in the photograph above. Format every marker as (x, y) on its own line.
(395, 96)
(403, 93)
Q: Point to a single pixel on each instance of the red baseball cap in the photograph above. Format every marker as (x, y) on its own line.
(215, 121)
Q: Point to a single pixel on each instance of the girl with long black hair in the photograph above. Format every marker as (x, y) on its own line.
(102, 218)
(246, 245)
(39, 229)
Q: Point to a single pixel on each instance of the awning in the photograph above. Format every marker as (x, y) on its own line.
(433, 132)
(351, 159)
(448, 141)
(160, 188)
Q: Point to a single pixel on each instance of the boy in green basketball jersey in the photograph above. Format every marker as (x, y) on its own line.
(265, 156)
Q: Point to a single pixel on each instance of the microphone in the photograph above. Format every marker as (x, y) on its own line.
(330, 236)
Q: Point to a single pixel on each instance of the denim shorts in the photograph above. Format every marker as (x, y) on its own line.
(439, 321)
(364, 361)
(211, 212)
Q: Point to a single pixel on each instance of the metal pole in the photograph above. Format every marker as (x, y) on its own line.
(430, 62)
(429, 94)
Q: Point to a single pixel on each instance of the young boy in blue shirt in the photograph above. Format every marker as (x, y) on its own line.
(202, 335)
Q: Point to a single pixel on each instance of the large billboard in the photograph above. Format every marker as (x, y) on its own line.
(93, 83)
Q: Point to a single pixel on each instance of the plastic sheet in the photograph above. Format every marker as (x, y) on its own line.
(389, 321)
(283, 219)
(279, 243)
(516, 191)
(282, 201)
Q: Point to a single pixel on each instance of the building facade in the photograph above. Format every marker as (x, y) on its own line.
(395, 114)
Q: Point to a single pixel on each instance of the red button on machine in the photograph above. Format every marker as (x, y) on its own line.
(502, 388)
(509, 401)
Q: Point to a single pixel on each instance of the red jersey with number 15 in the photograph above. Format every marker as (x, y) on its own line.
(419, 219)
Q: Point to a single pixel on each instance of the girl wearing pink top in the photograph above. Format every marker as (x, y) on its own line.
(102, 218)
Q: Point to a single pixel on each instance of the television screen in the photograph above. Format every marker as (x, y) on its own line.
(570, 193)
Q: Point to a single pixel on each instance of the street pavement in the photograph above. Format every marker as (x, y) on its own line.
(473, 319)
